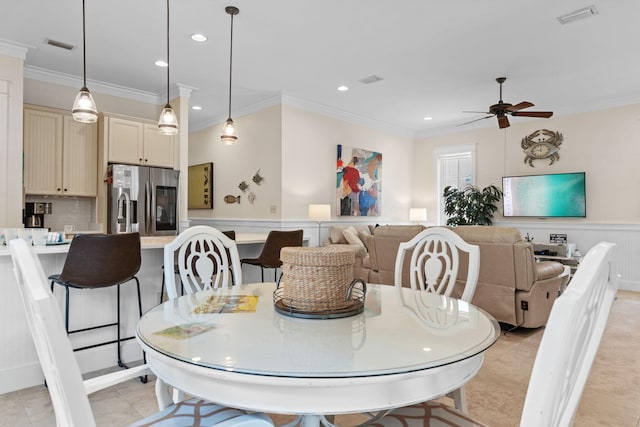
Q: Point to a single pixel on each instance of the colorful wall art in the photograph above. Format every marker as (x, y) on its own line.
(358, 182)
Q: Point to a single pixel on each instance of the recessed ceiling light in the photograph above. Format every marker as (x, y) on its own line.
(161, 63)
(428, 118)
(196, 107)
(343, 88)
(198, 37)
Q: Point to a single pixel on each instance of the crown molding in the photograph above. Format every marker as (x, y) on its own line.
(239, 112)
(49, 76)
(14, 50)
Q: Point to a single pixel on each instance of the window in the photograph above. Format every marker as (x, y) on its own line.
(455, 166)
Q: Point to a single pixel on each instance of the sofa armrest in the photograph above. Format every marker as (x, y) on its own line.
(548, 269)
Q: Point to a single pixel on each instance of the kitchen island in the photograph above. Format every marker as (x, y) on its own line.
(19, 365)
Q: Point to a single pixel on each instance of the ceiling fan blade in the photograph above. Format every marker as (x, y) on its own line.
(481, 118)
(543, 114)
(520, 106)
(503, 122)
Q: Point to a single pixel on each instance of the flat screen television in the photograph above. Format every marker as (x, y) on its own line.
(542, 196)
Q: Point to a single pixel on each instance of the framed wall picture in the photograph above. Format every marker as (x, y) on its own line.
(201, 186)
(358, 182)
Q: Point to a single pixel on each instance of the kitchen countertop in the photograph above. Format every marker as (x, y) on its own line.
(146, 242)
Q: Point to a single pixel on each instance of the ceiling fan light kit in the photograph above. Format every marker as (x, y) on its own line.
(503, 109)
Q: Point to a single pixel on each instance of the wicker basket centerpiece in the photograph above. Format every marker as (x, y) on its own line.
(317, 280)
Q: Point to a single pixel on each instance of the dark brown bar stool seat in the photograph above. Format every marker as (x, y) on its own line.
(100, 261)
(270, 255)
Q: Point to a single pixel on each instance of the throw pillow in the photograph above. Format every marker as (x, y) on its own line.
(336, 236)
(351, 234)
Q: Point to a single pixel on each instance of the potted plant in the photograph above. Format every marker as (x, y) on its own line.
(471, 205)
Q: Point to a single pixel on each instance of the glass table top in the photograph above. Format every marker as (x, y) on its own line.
(237, 329)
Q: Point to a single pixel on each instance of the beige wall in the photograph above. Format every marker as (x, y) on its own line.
(59, 96)
(11, 199)
(604, 144)
(309, 157)
(258, 147)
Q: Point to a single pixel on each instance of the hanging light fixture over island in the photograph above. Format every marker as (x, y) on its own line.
(228, 136)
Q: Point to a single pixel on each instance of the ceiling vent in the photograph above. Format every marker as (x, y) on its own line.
(61, 45)
(371, 79)
(576, 15)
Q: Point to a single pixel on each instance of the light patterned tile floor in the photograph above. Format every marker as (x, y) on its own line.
(495, 395)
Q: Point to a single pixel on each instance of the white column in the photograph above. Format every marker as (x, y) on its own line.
(182, 106)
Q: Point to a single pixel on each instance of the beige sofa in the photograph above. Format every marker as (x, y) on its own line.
(512, 286)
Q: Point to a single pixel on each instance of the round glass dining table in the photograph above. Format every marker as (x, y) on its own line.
(232, 347)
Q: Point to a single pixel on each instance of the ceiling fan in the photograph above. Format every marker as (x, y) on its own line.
(503, 109)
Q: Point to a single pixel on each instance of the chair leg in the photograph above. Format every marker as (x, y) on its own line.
(66, 309)
(459, 399)
(162, 288)
(120, 363)
(144, 378)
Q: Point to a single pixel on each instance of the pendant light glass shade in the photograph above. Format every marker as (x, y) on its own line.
(168, 122)
(228, 136)
(84, 107)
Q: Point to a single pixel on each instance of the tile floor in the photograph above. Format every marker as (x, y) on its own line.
(495, 395)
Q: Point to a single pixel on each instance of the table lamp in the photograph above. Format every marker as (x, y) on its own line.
(319, 213)
(418, 215)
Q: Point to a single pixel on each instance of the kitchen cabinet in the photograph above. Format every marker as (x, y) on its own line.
(60, 154)
(138, 142)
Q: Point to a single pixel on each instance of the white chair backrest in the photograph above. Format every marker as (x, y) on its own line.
(435, 262)
(570, 341)
(64, 380)
(202, 261)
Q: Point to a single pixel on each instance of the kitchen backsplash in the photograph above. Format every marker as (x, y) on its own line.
(76, 211)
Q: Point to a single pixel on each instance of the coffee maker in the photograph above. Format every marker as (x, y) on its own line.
(34, 214)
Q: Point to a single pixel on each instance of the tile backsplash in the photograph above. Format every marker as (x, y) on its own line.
(77, 211)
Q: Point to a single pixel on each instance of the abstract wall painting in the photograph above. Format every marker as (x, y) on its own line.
(358, 182)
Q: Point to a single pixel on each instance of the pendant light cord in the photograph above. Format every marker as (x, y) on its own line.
(230, 64)
(84, 50)
(168, 62)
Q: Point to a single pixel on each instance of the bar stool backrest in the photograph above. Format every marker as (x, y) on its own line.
(276, 240)
(101, 260)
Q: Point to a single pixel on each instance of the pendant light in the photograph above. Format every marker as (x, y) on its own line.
(168, 123)
(228, 132)
(84, 108)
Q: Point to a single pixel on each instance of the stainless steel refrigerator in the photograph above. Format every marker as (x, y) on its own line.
(142, 199)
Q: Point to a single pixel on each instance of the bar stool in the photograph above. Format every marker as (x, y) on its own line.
(99, 261)
(270, 255)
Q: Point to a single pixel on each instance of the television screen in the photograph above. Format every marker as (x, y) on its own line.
(553, 195)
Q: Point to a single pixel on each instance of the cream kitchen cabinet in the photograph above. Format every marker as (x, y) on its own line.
(138, 142)
(60, 154)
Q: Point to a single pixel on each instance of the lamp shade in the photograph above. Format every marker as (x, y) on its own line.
(168, 123)
(84, 108)
(418, 214)
(320, 212)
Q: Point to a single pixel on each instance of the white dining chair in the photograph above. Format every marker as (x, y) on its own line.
(434, 266)
(206, 258)
(69, 393)
(564, 359)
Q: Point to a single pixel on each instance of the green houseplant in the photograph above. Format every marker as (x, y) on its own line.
(471, 205)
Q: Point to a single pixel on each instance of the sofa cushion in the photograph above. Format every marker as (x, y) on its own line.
(351, 235)
(406, 232)
(336, 236)
(482, 233)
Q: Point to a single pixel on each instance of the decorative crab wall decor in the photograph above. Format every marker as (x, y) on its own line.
(542, 144)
